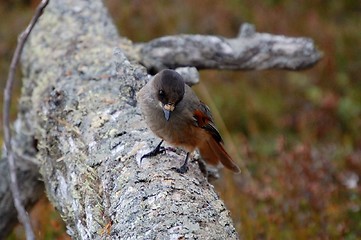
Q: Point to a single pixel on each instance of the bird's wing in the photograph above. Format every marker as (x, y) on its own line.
(204, 119)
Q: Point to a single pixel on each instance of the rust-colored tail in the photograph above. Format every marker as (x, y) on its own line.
(213, 152)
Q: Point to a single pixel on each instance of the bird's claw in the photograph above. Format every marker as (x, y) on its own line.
(153, 153)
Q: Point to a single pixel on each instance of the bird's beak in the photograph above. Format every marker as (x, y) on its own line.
(167, 109)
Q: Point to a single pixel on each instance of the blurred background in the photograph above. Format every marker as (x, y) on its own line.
(296, 135)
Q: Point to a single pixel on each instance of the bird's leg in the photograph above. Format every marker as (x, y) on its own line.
(184, 167)
(158, 149)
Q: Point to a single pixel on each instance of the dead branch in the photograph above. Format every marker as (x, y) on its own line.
(22, 214)
(250, 50)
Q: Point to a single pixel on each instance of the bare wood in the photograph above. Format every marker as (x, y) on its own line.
(250, 50)
(22, 214)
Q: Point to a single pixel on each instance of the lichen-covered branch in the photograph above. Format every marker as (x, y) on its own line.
(80, 96)
(250, 50)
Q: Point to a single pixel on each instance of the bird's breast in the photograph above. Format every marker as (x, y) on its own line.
(178, 131)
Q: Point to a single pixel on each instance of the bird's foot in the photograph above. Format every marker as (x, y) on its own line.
(184, 168)
(154, 152)
(158, 149)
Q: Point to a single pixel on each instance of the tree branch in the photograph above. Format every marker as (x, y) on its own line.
(250, 50)
(22, 214)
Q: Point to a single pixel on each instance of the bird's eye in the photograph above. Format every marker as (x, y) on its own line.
(161, 93)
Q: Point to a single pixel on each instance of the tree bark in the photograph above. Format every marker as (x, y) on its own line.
(79, 115)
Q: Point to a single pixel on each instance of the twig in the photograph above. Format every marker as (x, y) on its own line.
(22, 214)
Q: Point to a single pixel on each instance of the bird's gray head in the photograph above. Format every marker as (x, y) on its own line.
(169, 89)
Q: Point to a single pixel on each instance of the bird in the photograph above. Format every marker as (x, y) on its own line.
(174, 113)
